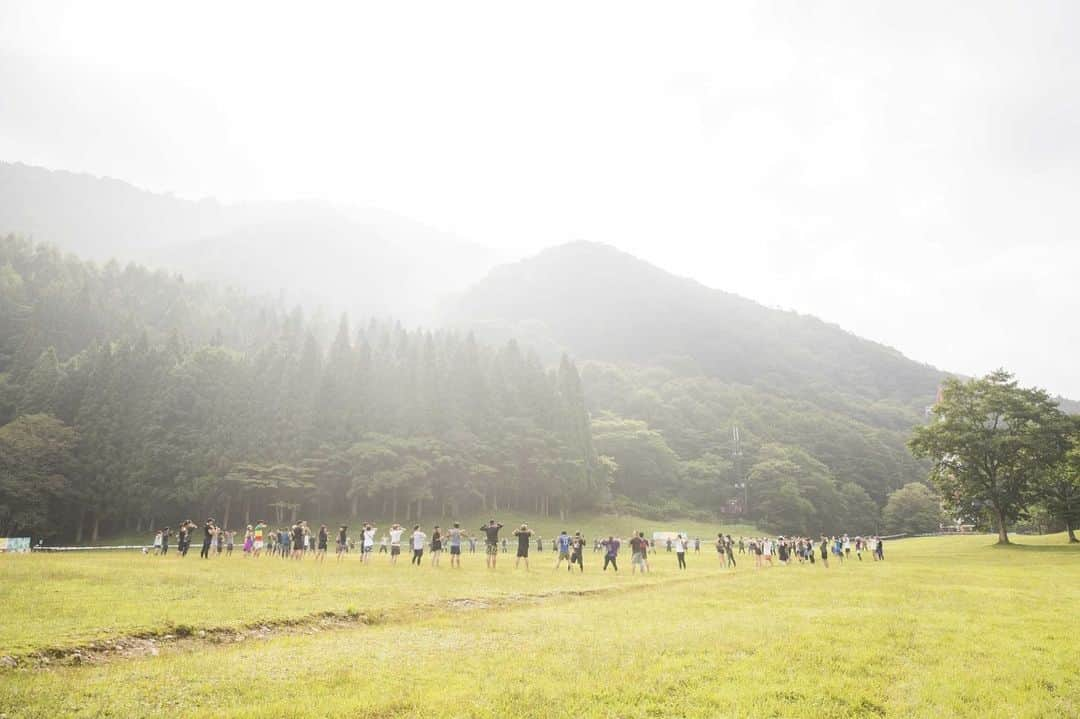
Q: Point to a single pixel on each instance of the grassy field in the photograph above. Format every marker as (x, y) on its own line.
(944, 627)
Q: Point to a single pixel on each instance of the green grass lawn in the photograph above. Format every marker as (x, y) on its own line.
(945, 627)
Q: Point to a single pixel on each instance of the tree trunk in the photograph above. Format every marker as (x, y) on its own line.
(393, 514)
(408, 511)
(247, 511)
(1072, 531)
(1003, 533)
(79, 526)
(225, 514)
(355, 506)
(95, 526)
(419, 509)
(494, 501)
(292, 514)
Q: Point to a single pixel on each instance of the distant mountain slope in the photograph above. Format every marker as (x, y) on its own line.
(366, 261)
(601, 303)
(98, 217)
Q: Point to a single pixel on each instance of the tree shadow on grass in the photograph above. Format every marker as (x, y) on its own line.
(1063, 548)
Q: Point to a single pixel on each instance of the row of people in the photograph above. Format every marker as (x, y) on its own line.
(300, 540)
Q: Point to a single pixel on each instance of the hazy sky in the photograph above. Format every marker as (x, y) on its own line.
(907, 170)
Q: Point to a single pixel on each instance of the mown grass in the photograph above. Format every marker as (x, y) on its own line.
(944, 627)
(71, 599)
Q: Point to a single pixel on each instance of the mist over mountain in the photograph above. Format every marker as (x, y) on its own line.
(690, 399)
(368, 262)
(600, 303)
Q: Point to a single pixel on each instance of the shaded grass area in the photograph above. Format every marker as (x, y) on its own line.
(944, 627)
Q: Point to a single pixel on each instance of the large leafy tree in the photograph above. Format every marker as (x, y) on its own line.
(989, 442)
(912, 509)
(1059, 488)
(35, 463)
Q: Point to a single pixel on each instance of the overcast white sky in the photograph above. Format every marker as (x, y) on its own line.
(908, 170)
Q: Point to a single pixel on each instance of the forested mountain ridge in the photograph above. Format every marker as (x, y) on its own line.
(367, 262)
(672, 369)
(604, 304)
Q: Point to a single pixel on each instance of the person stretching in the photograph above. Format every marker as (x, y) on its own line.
(562, 542)
(611, 556)
(419, 539)
(455, 545)
(396, 531)
(491, 532)
(523, 534)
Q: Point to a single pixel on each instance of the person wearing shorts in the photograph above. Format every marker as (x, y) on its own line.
(396, 531)
(562, 543)
(455, 545)
(524, 537)
(491, 533)
(368, 542)
(257, 538)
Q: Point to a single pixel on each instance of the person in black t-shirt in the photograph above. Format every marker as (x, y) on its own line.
(523, 534)
(183, 538)
(342, 541)
(208, 538)
(577, 552)
(298, 540)
(491, 533)
(320, 544)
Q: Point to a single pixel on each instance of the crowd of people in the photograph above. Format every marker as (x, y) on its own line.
(300, 540)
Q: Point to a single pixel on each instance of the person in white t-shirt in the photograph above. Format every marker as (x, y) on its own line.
(680, 550)
(369, 542)
(767, 551)
(419, 539)
(396, 530)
